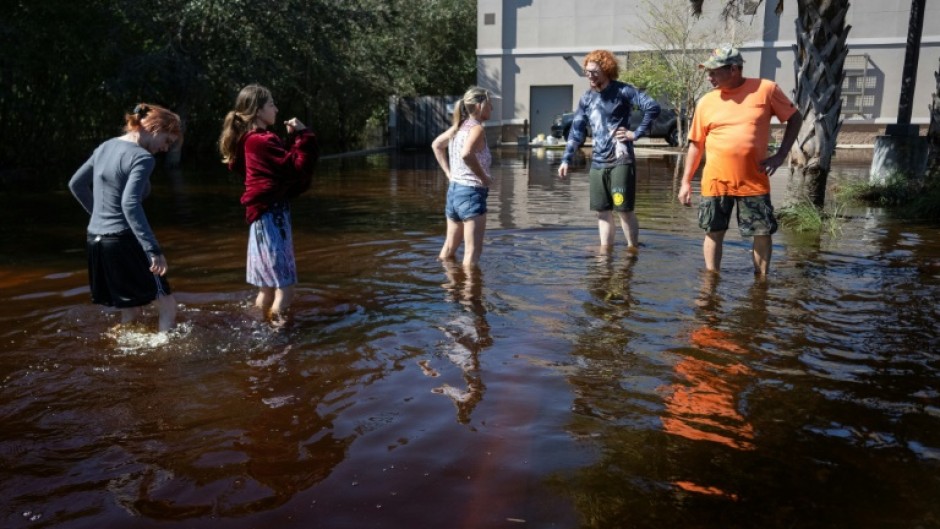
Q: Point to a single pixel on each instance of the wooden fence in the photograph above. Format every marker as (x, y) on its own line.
(414, 122)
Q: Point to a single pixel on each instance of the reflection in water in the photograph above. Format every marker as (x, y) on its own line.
(618, 392)
(603, 347)
(703, 405)
(264, 436)
(609, 283)
(290, 445)
(468, 335)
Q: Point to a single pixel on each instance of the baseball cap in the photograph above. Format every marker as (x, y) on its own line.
(722, 57)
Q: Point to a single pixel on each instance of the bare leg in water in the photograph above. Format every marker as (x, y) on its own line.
(275, 302)
(166, 307)
(606, 229)
(453, 240)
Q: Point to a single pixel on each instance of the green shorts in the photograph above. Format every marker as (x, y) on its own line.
(755, 214)
(613, 188)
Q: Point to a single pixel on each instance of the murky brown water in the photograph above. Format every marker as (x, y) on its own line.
(556, 388)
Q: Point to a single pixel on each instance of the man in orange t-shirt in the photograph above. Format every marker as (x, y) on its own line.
(731, 126)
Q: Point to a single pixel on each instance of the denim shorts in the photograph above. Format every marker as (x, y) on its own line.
(465, 202)
(755, 214)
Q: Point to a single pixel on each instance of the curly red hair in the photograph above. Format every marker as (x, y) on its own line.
(606, 61)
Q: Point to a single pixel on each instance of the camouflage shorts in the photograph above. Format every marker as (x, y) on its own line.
(755, 214)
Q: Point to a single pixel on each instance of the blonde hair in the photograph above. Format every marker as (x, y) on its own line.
(153, 119)
(240, 119)
(472, 99)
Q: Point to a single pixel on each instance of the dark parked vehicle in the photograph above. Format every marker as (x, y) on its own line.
(561, 125)
(665, 125)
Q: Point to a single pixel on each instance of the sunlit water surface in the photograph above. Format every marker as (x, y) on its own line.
(555, 387)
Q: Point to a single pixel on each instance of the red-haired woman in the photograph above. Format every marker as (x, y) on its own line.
(126, 267)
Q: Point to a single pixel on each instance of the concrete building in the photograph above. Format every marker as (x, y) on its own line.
(529, 53)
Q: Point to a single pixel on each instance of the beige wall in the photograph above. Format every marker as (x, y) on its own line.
(529, 41)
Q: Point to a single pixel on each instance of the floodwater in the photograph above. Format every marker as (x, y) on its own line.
(553, 387)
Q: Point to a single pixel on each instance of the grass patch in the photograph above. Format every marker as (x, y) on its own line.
(850, 192)
(805, 217)
(801, 217)
(913, 199)
(909, 199)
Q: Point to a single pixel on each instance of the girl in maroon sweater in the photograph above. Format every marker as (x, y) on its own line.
(274, 173)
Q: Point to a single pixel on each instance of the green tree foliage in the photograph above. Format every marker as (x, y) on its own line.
(678, 42)
(651, 73)
(51, 92)
(70, 69)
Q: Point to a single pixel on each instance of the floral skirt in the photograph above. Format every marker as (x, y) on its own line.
(271, 250)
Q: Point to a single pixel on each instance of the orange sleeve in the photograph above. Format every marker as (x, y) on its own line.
(782, 107)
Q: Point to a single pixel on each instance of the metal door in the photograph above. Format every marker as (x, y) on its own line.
(545, 103)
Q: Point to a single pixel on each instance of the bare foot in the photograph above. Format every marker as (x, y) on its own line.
(279, 320)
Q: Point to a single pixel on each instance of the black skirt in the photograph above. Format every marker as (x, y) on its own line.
(119, 272)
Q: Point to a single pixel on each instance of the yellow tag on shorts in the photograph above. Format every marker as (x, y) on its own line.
(612, 188)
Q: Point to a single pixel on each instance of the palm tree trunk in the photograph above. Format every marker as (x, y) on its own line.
(820, 53)
(933, 137)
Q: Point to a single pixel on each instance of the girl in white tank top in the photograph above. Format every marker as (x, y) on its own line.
(463, 155)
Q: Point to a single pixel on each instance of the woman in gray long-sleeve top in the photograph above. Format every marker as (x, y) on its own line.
(126, 267)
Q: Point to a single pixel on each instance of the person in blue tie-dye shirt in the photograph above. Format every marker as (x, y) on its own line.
(607, 106)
